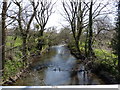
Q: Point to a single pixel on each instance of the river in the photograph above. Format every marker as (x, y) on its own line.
(57, 67)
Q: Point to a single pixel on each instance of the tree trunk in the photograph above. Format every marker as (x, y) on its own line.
(77, 46)
(76, 43)
(118, 44)
(40, 40)
(24, 51)
(90, 50)
(79, 51)
(4, 9)
(86, 45)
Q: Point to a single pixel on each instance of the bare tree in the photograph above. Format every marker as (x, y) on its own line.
(43, 13)
(94, 12)
(80, 15)
(75, 13)
(90, 50)
(4, 10)
(24, 18)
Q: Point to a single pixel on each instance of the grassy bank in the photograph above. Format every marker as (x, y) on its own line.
(104, 64)
(10, 40)
(14, 62)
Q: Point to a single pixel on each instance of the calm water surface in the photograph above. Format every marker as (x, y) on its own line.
(57, 68)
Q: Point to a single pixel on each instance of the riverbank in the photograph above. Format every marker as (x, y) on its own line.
(66, 69)
(60, 64)
(25, 70)
(75, 53)
(100, 69)
(105, 75)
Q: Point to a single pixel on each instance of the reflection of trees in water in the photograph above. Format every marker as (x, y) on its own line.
(74, 75)
(87, 77)
(90, 79)
(81, 77)
(74, 78)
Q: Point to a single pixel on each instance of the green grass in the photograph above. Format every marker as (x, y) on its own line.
(103, 54)
(10, 40)
(12, 66)
(107, 59)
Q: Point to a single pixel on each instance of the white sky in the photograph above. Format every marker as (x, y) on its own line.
(56, 18)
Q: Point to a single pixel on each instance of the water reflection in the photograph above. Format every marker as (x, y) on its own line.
(63, 62)
(58, 68)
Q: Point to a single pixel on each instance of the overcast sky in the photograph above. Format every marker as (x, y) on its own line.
(56, 18)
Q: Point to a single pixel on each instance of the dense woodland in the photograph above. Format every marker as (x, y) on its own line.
(90, 34)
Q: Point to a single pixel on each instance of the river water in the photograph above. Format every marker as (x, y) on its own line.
(57, 67)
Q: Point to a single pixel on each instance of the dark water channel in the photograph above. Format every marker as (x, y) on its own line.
(57, 67)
